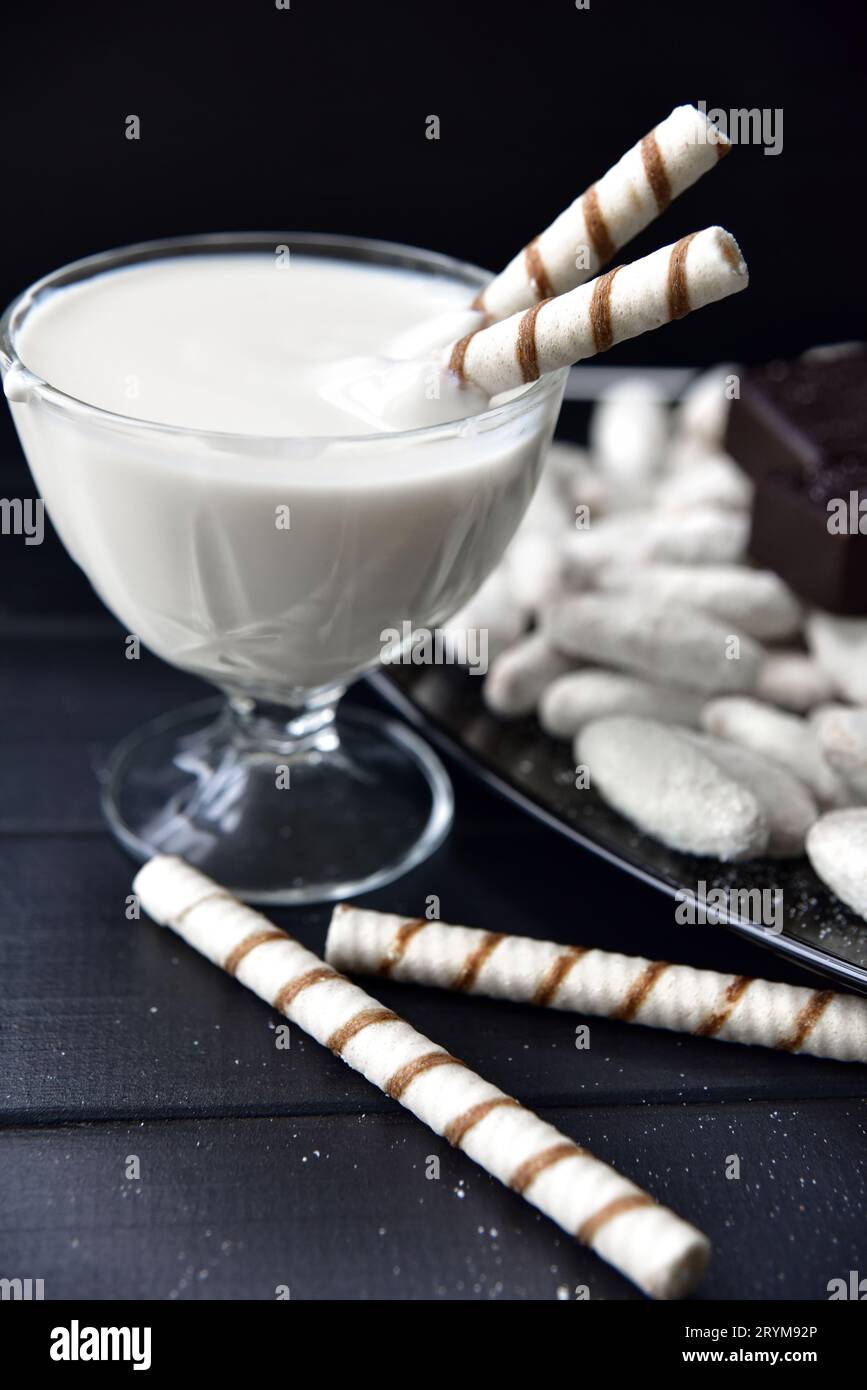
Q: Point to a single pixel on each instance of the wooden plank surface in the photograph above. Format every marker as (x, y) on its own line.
(339, 1206)
(115, 1038)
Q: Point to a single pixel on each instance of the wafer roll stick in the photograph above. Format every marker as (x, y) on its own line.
(625, 302)
(732, 1008)
(611, 212)
(649, 1244)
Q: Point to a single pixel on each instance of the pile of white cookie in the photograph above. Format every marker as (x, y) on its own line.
(707, 705)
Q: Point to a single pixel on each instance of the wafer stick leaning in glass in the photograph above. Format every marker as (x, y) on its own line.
(661, 1253)
(611, 212)
(631, 299)
(732, 1008)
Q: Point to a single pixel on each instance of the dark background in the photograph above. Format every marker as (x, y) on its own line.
(314, 118)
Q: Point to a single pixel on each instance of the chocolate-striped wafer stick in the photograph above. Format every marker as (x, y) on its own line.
(732, 1008)
(650, 1245)
(612, 211)
(629, 300)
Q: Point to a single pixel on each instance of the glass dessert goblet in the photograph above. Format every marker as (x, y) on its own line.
(274, 567)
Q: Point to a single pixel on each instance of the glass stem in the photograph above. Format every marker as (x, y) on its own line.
(270, 727)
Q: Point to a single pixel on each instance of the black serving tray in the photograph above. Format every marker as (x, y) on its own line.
(518, 760)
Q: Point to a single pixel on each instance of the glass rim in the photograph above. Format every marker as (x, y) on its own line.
(360, 248)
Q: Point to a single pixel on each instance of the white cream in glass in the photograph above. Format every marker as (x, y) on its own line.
(235, 442)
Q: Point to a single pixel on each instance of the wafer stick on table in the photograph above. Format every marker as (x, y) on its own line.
(611, 212)
(629, 300)
(732, 1008)
(662, 1254)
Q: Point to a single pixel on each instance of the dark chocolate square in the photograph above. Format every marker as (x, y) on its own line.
(799, 429)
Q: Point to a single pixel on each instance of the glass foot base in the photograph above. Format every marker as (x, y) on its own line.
(343, 809)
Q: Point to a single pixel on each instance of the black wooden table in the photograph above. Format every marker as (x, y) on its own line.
(260, 1168)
